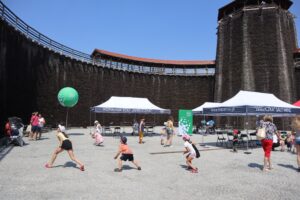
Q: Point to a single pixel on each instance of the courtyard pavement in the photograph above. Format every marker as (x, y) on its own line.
(222, 174)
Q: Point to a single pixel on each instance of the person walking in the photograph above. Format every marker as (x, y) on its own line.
(64, 144)
(296, 127)
(267, 142)
(141, 130)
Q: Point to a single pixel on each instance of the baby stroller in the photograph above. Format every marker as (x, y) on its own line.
(16, 126)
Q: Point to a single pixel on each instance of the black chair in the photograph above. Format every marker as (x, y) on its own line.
(107, 130)
(229, 139)
(253, 141)
(220, 138)
(149, 130)
(117, 131)
(243, 139)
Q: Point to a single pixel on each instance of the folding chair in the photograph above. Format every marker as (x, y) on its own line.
(107, 130)
(117, 131)
(253, 139)
(229, 142)
(243, 139)
(150, 131)
(220, 138)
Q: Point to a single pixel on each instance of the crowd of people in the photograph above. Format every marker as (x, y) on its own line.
(269, 142)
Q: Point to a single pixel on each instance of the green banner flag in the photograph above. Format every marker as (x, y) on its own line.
(185, 122)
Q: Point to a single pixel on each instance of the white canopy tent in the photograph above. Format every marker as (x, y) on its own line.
(129, 105)
(199, 110)
(247, 103)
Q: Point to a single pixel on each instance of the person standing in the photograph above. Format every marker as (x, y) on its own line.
(267, 142)
(141, 130)
(170, 131)
(34, 121)
(64, 144)
(296, 127)
(41, 123)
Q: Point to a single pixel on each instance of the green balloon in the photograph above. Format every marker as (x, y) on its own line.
(68, 97)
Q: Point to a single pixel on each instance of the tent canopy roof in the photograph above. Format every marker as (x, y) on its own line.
(199, 110)
(129, 105)
(253, 103)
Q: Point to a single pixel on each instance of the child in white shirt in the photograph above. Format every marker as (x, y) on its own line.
(191, 153)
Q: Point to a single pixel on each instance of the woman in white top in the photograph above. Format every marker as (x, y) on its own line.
(191, 153)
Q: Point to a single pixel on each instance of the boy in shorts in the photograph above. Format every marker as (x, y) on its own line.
(126, 154)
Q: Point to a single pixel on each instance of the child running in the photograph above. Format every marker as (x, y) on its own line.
(191, 153)
(126, 155)
(64, 144)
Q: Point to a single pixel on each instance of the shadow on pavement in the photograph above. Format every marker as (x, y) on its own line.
(75, 134)
(127, 167)
(288, 166)
(184, 167)
(5, 150)
(67, 164)
(255, 165)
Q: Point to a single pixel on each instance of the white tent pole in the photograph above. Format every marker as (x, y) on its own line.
(247, 122)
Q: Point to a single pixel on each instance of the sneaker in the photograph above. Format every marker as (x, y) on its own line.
(266, 169)
(47, 165)
(194, 170)
(82, 168)
(139, 168)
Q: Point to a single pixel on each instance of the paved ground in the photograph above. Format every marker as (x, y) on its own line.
(222, 174)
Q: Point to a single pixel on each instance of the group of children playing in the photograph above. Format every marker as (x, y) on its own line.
(124, 151)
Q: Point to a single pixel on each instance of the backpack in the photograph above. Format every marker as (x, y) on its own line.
(196, 150)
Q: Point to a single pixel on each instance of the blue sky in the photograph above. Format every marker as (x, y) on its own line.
(161, 29)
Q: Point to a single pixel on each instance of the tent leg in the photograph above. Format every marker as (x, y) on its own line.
(247, 122)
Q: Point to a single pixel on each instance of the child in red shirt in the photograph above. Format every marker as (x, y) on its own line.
(235, 140)
(126, 154)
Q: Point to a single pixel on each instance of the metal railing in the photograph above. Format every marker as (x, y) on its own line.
(7, 15)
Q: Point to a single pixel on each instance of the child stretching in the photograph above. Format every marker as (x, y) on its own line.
(191, 153)
(126, 154)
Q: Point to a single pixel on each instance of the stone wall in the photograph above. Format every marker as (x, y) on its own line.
(255, 53)
(31, 76)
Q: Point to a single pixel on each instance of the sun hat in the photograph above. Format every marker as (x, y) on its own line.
(96, 122)
(62, 128)
(186, 137)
